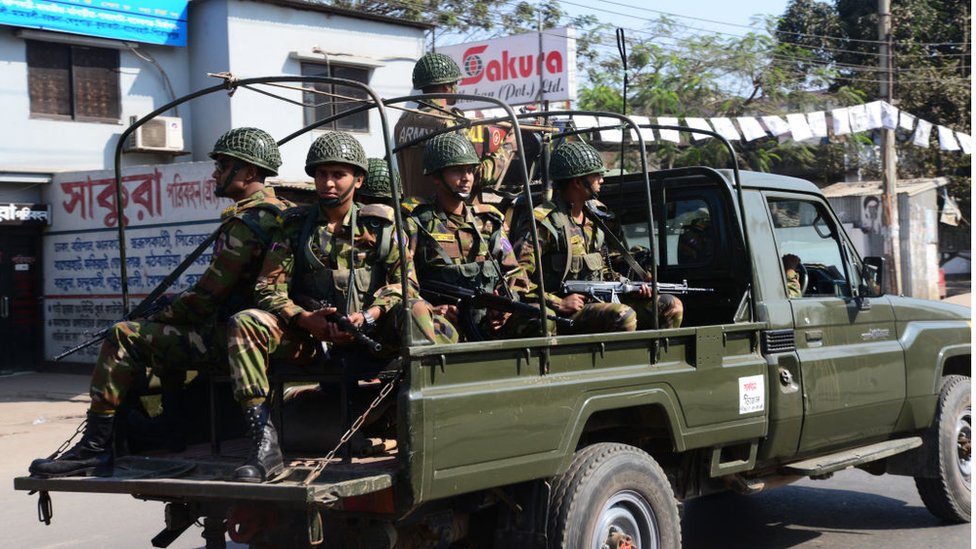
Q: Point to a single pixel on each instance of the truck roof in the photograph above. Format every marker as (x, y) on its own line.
(761, 180)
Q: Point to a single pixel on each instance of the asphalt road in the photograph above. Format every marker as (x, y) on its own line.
(851, 509)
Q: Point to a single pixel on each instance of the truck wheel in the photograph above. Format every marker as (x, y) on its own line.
(949, 439)
(613, 495)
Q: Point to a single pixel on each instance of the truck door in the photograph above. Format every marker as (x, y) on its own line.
(851, 363)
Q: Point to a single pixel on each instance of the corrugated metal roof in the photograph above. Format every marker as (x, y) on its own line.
(911, 187)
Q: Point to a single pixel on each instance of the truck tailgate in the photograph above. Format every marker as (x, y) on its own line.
(160, 478)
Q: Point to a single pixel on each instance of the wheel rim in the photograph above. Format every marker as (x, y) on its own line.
(627, 513)
(964, 449)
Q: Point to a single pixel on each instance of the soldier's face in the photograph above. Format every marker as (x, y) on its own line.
(335, 181)
(459, 179)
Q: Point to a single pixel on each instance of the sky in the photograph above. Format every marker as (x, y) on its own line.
(707, 15)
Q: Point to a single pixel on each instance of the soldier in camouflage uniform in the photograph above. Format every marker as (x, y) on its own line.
(376, 186)
(462, 244)
(336, 251)
(182, 335)
(573, 248)
(438, 73)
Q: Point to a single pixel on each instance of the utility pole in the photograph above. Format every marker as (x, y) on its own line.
(889, 160)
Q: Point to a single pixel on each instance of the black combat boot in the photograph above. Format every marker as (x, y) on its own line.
(92, 456)
(265, 460)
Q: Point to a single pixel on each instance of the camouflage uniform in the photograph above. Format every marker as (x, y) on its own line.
(578, 251)
(182, 336)
(309, 260)
(471, 250)
(435, 69)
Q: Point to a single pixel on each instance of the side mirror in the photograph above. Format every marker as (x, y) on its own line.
(873, 276)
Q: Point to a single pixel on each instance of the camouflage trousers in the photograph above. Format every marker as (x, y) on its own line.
(634, 313)
(131, 347)
(670, 311)
(257, 337)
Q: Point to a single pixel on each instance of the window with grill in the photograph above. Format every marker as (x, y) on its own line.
(336, 99)
(73, 82)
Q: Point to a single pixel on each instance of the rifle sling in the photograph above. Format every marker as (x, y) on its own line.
(168, 281)
(616, 243)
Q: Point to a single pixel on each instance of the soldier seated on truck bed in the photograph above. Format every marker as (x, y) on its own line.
(338, 252)
(573, 247)
(182, 336)
(464, 244)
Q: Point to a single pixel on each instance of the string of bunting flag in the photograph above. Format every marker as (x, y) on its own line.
(799, 126)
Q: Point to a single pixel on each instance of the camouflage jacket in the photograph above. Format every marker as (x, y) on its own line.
(439, 239)
(227, 285)
(410, 160)
(322, 254)
(570, 251)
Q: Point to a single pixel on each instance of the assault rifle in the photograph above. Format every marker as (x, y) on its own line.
(311, 304)
(480, 299)
(609, 292)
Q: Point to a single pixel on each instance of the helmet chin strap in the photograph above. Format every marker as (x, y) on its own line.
(220, 191)
(334, 202)
(463, 197)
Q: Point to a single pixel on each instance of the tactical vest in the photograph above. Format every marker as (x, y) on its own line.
(479, 270)
(564, 264)
(250, 216)
(350, 289)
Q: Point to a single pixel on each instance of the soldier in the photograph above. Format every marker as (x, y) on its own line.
(336, 251)
(438, 73)
(461, 244)
(376, 186)
(573, 248)
(791, 264)
(180, 336)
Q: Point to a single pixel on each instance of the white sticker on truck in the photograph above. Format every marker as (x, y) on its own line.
(752, 393)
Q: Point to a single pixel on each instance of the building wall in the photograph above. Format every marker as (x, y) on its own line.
(34, 144)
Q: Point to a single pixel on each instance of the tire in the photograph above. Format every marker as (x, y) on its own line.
(613, 486)
(948, 440)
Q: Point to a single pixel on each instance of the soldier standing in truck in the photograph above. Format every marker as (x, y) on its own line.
(437, 73)
(182, 335)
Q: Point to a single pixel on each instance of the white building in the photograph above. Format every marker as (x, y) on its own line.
(68, 97)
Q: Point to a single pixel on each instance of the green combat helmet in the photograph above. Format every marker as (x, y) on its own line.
(448, 149)
(575, 159)
(433, 69)
(252, 145)
(377, 184)
(338, 147)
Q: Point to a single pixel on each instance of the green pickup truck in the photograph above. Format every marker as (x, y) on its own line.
(593, 441)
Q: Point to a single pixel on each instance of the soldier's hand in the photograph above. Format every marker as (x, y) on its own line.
(645, 290)
(450, 312)
(571, 304)
(315, 323)
(497, 319)
(337, 335)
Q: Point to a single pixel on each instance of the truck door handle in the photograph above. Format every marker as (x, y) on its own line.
(814, 336)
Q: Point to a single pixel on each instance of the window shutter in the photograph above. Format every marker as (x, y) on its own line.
(49, 78)
(96, 82)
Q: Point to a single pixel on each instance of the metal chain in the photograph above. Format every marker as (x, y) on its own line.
(64, 445)
(356, 425)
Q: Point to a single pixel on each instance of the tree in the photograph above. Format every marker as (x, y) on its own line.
(932, 59)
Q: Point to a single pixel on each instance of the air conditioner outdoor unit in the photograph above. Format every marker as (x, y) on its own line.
(163, 134)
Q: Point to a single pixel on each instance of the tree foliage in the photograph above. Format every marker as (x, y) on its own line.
(932, 68)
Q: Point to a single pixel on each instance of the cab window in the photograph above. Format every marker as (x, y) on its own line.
(809, 249)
